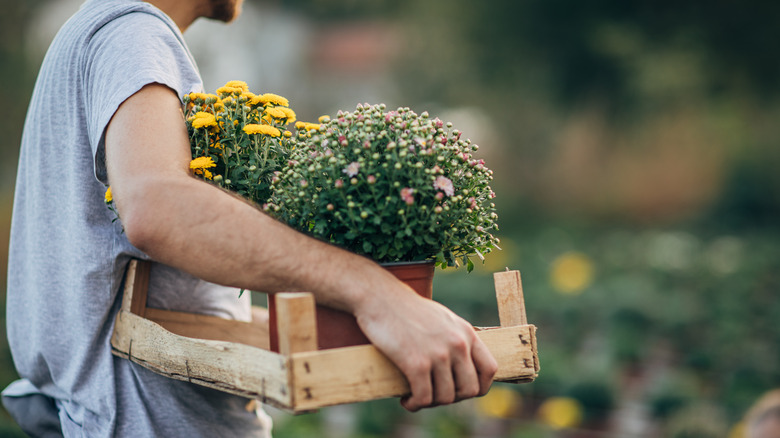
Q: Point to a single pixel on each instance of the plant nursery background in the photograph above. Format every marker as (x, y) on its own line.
(635, 151)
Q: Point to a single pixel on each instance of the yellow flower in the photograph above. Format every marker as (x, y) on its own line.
(198, 96)
(739, 430)
(571, 273)
(561, 412)
(202, 163)
(237, 84)
(206, 174)
(271, 98)
(109, 196)
(287, 134)
(203, 120)
(324, 119)
(290, 114)
(276, 112)
(500, 402)
(253, 128)
(228, 90)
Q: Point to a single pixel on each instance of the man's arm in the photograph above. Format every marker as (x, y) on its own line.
(191, 225)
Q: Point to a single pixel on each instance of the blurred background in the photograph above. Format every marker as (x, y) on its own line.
(635, 151)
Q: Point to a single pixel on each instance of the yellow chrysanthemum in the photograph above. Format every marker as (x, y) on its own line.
(254, 128)
(276, 112)
(287, 134)
(561, 412)
(228, 90)
(237, 84)
(203, 119)
(275, 99)
(202, 163)
(571, 273)
(289, 114)
(198, 96)
(109, 196)
(324, 119)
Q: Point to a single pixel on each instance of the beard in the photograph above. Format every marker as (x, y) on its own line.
(224, 10)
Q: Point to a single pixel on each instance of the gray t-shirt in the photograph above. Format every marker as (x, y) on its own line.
(67, 258)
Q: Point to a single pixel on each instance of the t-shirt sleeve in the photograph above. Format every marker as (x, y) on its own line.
(129, 52)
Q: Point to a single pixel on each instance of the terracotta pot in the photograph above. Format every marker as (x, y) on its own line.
(340, 329)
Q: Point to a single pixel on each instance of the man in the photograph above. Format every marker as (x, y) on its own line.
(106, 109)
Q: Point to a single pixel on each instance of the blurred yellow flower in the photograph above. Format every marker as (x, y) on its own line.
(561, 412)
(324, 119)
(571, 272)
(305, 126)
(109, 196)
(254, 128)
(500, 402)
(739, 430)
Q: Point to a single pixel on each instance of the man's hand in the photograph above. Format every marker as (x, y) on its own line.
(440, 354)
(194, 226)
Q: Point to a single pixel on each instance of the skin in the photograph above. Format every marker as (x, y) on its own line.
(168, 214)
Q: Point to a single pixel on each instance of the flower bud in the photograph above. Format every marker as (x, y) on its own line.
(363, 214)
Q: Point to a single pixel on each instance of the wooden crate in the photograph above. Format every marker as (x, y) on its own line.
(233, 356)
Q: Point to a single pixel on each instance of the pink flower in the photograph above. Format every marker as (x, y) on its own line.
(444, 184)
(304, 183)
(472, 202)
(338, 183)
(371, 179)
(352, 168)
(407, 195)
(439, 196)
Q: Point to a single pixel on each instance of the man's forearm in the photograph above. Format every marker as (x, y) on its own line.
(209, 233)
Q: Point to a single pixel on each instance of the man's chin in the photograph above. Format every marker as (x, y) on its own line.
(225, 10)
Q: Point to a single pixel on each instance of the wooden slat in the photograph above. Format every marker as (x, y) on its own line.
(193, 325)
(361, 373)
(296, 322)
(235, 368)
(509, 294)
(136, 286)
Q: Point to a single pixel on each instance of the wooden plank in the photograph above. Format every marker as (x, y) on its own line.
(193, 325)
(361, 373)
(296, 322)
(235, 368)
(136, 286)
(509, 294)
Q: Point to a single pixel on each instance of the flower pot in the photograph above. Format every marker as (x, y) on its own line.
(340, 329)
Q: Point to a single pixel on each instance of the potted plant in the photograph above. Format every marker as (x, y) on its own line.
(395, 186)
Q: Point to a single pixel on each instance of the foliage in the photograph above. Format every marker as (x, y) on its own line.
(395, 186)
(238, 138)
